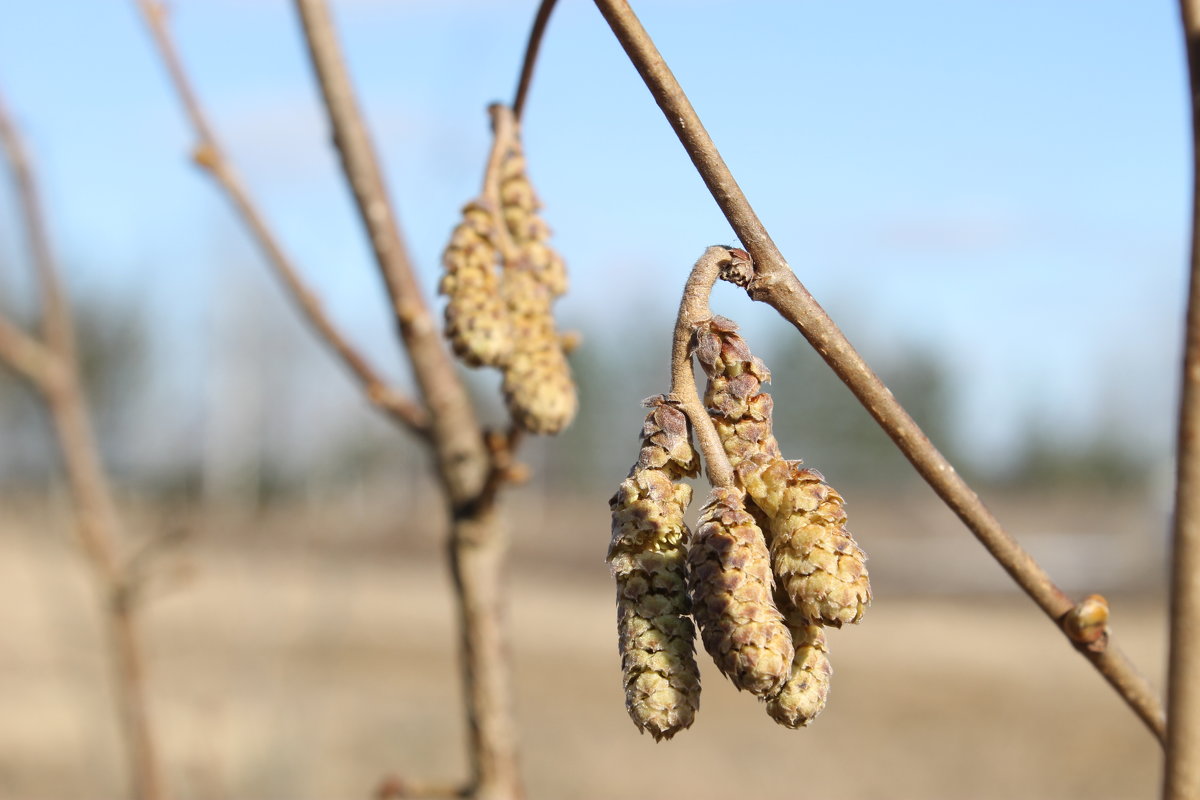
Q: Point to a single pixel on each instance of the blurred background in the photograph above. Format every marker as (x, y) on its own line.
(990, 198)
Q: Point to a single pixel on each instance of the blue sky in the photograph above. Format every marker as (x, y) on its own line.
(1003, 181)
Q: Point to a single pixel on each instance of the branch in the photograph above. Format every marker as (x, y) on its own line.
(694, 310)
(53, 369)
(775, 284)
(26, 354)
(209, 155)
(476, 549)
(1182, 777)
(531, 53)
(455, 432)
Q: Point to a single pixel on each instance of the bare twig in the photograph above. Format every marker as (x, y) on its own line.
(456, 435)
(1182, 774)
(775, 284)
(476, 548)
(209, 155)
(693, 310)
(531, 53)
(53, 369)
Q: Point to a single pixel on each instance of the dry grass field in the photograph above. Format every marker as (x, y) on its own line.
(306, 654)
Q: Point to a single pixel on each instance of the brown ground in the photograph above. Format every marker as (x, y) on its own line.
(287, 667)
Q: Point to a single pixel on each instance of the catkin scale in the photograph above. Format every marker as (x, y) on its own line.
(649, 563)
(820, 567)
(731, 585)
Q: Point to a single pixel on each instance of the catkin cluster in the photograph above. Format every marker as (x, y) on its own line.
(648, 559)
(501, 279)
(771, 564)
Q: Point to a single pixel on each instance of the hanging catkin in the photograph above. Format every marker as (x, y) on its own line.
(648, 560)
(477, 323)
(821, 568)
(804, 694)
(731, 585)
(538, 388)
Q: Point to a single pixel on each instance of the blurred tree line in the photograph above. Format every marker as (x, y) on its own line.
(266, 414)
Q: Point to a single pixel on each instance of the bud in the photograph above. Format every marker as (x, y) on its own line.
(804, 694)
(477, 323)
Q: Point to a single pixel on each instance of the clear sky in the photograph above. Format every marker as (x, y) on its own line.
(1004, 181)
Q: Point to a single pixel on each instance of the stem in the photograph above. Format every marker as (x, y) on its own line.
(476, 547)
(456, 435)
(210, 156)
(694, 310)
(775, 284)
(531, 53)
(53, 368)
(1182, 774)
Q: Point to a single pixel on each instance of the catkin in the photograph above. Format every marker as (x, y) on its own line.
(529, 232)
(538, 388)
(477, 323)
(648, 560)
(731, 586)
(537, 385)
(804, 694)
(821, 568)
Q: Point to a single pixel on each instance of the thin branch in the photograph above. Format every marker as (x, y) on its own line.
(209, 155)
(54, 372)
(456, 435)
(694, 310)
(26, 354)
(1182, 774)
(775, 284)
(476, 548)
(531, 53)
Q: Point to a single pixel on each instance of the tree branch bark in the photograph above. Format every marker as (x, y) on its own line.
(774, 283)
(1182, 774)
(53, 369)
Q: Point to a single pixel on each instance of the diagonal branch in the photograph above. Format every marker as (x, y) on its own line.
(536, 34)
(210, 156)
(1182, 777)
(775, 284)
(53, 368)
(455, 433)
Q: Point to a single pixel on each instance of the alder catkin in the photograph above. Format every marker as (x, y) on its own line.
(648, 560)
(731, 586)
(529, 232)
(477, 323)
(804, 694)
(821, 568)
(538, 388)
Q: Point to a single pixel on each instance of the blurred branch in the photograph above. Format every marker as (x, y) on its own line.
(532, 47)
(476, 548)
(1182, 775)
(53, 369)
(209, 155)
(775, 284)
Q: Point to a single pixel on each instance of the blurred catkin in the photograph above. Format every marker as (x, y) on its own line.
(648, 560)
(538, 387)
(529, 232)
(804, 694)
(731, 587)
(477, 323)
(821, 568)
